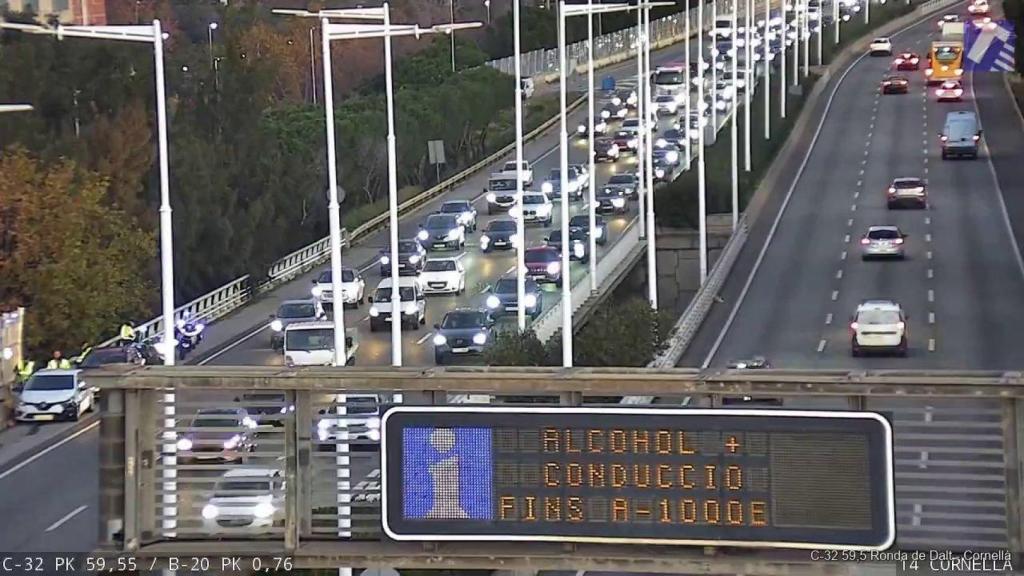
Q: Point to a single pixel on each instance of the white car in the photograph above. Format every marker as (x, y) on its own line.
(878, 326)
(949, 90)
(312, 344)
(244, 499)
(54, 395)
(525, 172)
(361, 421)
(537, 207)
(666, 104)
(411, 305)
(880, 47)
(352, 288)
(882, 242)
(443, 276)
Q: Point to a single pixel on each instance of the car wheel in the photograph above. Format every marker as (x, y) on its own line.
(439, 359)
(373, 327)
(423, 319)
(415, 324)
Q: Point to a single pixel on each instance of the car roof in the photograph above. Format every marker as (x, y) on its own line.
(540, 249)
(441, 259)
(403, 282)
(907, 179)
(57, 372)
(252, 473)
(878, 305)
(877, 228)
(302, 301)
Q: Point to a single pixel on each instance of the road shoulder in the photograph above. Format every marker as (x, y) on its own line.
(1004, 139)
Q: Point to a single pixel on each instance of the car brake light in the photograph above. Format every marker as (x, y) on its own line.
(958, 91)
(914, 60)
(938, 91)
(865, 241)
(853, 325)
(928, 72)
(899, 61)
(959, 71)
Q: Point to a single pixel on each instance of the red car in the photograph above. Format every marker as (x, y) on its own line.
(544, 264)
(950, 90)
(895, 85)
(907, 61)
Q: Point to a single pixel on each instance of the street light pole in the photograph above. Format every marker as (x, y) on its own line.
(784, 33)
(451, 9)
(806, 37)
(835, 19)
(689, 89)
(641, 165)
(520, 216)
(767, 71)
(714, 68)
(748, 80)
(701, 175)
(592, 167)
(652, 260)
(487, 4)
(396, 311)
(796, 43)
(209, 31)
(566, 280)
(733, 132)
(312, 65)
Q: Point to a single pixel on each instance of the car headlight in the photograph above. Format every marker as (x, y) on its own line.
(547, 187)
(632, 143)
(661, 143)
(210, 512)
(184, 444)
(440, 340)
(554, 268)
(385, 260)
(672, 156)
(277, 325)
(491, 197)
(374, 312)
(617, 101)
(414, 258)
(453, 234)
(410, 308)
(544, 209)
(322, 432)
(484, 240)
(232, 443)
(578, 250)
(514, 239)
(618, 202)
(581, 129)
(423, 235)
(605, 114)
(317, 291)
(530, 300)
(659, 173)
(373, 423)
(480, 338)
(263, 510)
(599, 232)
(493, 301)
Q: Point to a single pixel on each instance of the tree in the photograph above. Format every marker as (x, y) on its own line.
(78, 266)
(626, 334)
(515, 348)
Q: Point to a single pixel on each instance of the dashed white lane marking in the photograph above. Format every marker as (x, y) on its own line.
(365, 319)
(856, 194)
(869, 138)
(931, 273)
(931, 295)
(931, 317)
(849, 223)
(931, 344)
(843, 255)
(828, 319)
(425, 337)
(853, 208)
(860, 183)
(924, 453)
(846, 239)
(861, 172)
(865, 152)
(929, 254)
(928, 220)
(66, 517)
(821, 345)
(839, 274)
(835, 295)
(927, 237)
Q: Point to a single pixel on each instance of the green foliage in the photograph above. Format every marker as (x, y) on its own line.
(515, 348)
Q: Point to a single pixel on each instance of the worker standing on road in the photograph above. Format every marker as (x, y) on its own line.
(127, 334)
(25, 369)
(58, 361)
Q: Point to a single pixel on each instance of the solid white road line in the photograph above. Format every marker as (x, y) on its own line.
(39, 455)
(839, 274)
(424, 338)
(66, 517)
(232, 346)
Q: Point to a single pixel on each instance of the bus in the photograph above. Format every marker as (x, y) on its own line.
(945, 62)
(671, 81)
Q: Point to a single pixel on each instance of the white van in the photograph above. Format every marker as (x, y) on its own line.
(54, 395)
(412, 304)
(960, 135)
(312, 344)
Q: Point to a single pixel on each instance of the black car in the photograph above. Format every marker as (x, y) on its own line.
(504, 297)
(626, 181)
(410, 258)
(577, 239)
(463, 331)
(611, 111)
(612, 199)
(464, 210)
(606, 150)
(442, 232)
(138, 354)
(581, 223)
(663, 169)
(626, 140)
(267, 408)
(672, 136)
(500, 234)
(217, 434)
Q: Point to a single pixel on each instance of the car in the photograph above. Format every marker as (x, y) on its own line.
(626, 141)
(581, 223)
(464, 210)
(666, 104)
(882, 242)
(880, 46)
(139, 354)
(606, 150)
(246, 499)
(894, 84)
(219, 435)
(980, 21)
(537, 207)
(979, 8)
(668, 156)
(501, 193)
(634, 125)
(312, 344)
(907, 61)
(553, 185)
(753, 363)
(500, 234)
(525, 172)
(290, 312)
(442, 232)
(612, 199)
(625, 97)
(411, 255)
(267, 408)
(600, 127)
(627, 181)
(960, 135)
(950, 90)
(352, 288)
(358, 426)
(578, 240)
(582, 173)
(54, 394)
(663, 166)
(698, 120)
(463, 331)
(544, 264)
(614, 111)
(411, 303)
(671, 137)
(503, 297)
(904, 191)
(878, 326)
(724, 47)
(443, 276)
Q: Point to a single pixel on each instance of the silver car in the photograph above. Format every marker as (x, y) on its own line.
(882, 242)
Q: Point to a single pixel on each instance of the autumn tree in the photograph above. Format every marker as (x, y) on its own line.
(76, 264)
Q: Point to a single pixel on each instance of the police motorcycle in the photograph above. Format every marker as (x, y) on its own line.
(188, 333)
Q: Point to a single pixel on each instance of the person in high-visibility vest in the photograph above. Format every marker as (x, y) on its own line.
(86, 348)
(25, 369)
(127, 334)
(58, 361)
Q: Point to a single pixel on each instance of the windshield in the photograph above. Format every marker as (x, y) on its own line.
(441, 221)
(502, 184)
(582, 221)
(309, 339)
(347, 275)
(306, 310)
(229, 486)
(462, 320)
(555, 174)
(511, 166)
(878, 317)
(502, 226)
(361, 405)
(102, 357)
(534, 256)
(631, 123)
(215, 422)
(947, 53)
(533, 199)
(908, 184)
(51, 382)
(439, 266)
(455, 207)
(505, 286)
(622, 179)
(407, 246)
(884, 234)
(555, 237)
(666, 78)
(405, 294)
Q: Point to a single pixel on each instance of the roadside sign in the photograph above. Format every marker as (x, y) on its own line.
(990, 47)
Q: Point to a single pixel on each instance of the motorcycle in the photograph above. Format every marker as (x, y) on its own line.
(188, 333)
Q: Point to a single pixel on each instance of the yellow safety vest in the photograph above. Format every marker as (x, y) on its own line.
(63, 364)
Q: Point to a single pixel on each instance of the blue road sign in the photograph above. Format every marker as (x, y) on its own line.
(990, 47)
(448, 473)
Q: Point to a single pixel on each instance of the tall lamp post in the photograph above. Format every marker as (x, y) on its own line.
(733, 132)
(702, 228)
(767, 58)
(520, 216)
(209, 35)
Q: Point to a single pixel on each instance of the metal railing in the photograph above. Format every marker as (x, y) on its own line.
(956, 434)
